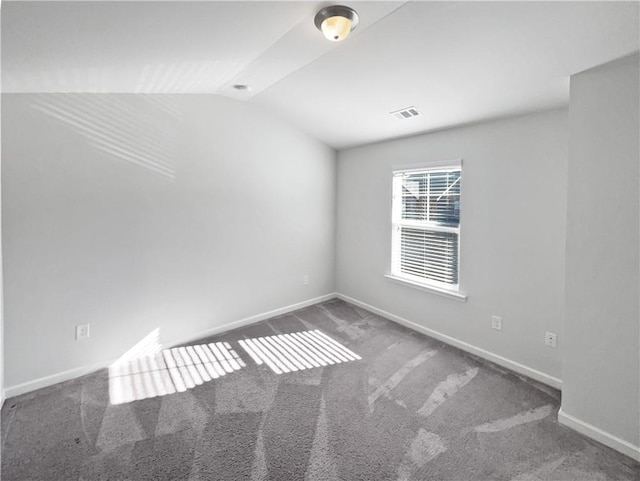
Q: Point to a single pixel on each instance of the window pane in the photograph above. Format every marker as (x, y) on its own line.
(444, 194)
(414, 196)
(432, 197)
(430, 255)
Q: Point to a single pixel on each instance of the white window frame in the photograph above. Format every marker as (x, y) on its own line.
(395, 274)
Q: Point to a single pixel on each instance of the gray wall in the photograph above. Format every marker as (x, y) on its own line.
(601, 369)
(133, 212)
(512, 234)
(2, 393)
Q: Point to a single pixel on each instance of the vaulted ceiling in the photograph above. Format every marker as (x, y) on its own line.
(456, 62)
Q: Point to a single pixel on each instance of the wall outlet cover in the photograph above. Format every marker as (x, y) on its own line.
(82, 331)
(550, 339)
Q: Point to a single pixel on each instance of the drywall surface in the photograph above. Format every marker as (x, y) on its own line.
(2, 392)
(512, 234)
(137, 212)
(601, 369)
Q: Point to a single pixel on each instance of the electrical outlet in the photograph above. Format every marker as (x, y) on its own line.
(550, 339)
(496, 323)
(305, 280)
(82, 331)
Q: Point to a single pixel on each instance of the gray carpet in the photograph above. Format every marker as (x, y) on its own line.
(410, 408)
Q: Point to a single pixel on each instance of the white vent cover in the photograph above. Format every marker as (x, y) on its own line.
(405, 113)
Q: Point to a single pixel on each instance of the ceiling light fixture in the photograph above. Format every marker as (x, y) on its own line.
(336, 22)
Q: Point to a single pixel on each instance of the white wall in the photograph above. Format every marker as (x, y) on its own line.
(601, 369)
(2, 393)
(512, 235)
(133, 212)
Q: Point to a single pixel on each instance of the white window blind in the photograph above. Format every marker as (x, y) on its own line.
(426, 225)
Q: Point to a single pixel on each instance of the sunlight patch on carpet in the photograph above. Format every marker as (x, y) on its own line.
(170, 371)
(147, 371)
(297, 351)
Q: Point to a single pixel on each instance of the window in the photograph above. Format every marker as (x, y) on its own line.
(426, 226)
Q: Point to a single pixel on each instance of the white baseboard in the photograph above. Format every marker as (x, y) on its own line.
(252, 319)
(489, 356)
(45, 381)
(599, 435)
(39, 383)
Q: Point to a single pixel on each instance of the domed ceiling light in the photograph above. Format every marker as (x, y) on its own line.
(336, 22)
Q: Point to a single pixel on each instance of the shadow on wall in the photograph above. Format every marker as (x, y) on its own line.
(146, 370)
(141, 136)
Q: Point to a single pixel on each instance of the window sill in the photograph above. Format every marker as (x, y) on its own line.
(423, 287)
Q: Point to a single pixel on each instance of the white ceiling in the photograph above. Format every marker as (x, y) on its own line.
(457, 62)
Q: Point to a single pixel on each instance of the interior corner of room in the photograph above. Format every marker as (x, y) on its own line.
(160, 197)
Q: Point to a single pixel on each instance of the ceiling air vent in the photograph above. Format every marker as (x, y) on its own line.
(405, 113)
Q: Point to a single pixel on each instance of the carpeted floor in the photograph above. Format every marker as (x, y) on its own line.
(410, 408)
